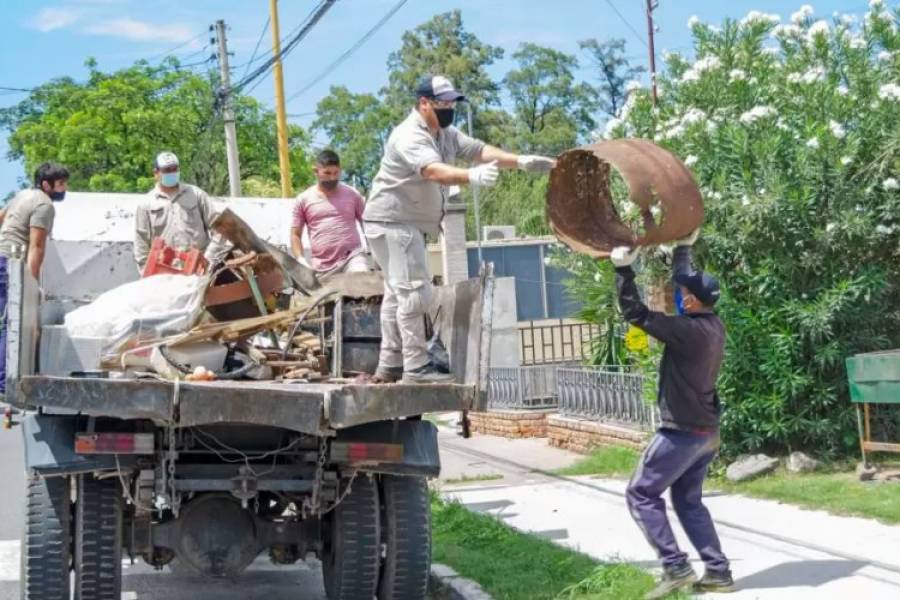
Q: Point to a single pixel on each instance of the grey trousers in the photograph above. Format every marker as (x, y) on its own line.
(400, 252)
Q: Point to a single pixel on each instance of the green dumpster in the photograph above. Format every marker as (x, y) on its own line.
(874, 378)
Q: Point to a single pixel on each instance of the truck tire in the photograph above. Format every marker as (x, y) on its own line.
(352, 544)
(98, 539)
(406, 534)
(47, 539)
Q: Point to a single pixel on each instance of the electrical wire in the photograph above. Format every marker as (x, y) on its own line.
(256, 48)
(628, 23)
(176, 48)
(349, 52)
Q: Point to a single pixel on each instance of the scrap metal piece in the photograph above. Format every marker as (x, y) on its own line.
(580, 205)
(236, 231)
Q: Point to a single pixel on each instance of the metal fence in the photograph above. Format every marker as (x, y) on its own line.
(527, 387)
(549, 343)
(607, 394)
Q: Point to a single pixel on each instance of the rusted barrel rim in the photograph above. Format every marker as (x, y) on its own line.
(580, 207)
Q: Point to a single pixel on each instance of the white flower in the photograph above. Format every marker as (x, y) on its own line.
(843, 90)
(846, 160)
(786, 31)
(596, 276)
(773, 50)
(693, 115)
(745, 200)
(691, 160)
(780, 124)
(693, 21)
(547, 261)
(673, 132)
(858, 42)
(756, 113)
(890, 184)
(816, 29)
(830, 227)
(812, 143)
(632, 85)
(884, 229)
(885, 56)
(889, 91)
(701, 66)
(876, 4)
(794, 78)
(837, 130)
(716, 195)
(801, 15)
(711, 126)
(737, 75)
(755, 16)
(813, 75)
(611, 126)
(848, 19)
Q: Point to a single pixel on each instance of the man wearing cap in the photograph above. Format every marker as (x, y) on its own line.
(679, 455)
(407, 203)
(177, 212)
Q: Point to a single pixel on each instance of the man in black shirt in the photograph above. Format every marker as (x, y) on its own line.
(679, 455)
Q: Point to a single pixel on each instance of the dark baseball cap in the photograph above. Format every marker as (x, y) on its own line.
(439, 88)
(702, 285)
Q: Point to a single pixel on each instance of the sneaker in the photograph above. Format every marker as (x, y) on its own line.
(387, 375)
(676, 577)
(715, 581)
(427, 374)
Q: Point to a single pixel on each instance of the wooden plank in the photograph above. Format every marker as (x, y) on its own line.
(881, 447)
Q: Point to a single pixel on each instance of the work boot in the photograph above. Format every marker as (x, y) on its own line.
(427, 374)
(715, 581)
(676, 577)
(387, 375)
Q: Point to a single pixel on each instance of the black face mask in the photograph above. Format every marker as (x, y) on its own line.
(330, 184)
(57, 196)
(445, 116)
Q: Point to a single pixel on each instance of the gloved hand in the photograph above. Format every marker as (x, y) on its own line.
(535, 164)
(623, 256)
(484, 175)
(689, 239)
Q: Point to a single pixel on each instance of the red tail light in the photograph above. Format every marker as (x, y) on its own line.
(114, 443)
(355, 452)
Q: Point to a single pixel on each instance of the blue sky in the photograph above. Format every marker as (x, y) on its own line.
(46, 39)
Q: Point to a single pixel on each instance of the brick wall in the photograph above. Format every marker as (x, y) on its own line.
(579, 435)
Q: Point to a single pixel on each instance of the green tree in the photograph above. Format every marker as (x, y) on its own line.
(552, 112)
(108, 129)
(794, 148)
(442, 46)
(613, 72)
(357, 126)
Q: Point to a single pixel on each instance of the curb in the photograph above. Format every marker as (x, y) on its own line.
(449, 582)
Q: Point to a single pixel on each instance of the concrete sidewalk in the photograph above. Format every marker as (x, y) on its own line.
(777, 551)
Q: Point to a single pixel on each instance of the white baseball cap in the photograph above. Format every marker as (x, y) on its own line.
(166, 159)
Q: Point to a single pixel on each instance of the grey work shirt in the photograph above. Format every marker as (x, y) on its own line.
(181, 220)
(29, 208)
(400, 194)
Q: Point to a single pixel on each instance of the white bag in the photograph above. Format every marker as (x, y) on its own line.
(140, 311)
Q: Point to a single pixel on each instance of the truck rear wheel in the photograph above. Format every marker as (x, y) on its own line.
(352, 544)
(406, 533)
(98, 539)
(47, 539)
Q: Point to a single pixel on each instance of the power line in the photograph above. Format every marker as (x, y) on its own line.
(627, 23)
(327, 70)
(176, 48)
(306, 26)
(258, 42)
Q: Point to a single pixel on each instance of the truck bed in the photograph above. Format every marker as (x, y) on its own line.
(312, 408)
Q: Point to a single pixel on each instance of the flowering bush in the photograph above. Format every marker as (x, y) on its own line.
(793, 132)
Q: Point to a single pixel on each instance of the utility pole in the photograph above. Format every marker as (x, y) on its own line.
(281, 117)
(231, 147)
(651, 6)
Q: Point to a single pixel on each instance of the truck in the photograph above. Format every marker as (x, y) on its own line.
(209, 475)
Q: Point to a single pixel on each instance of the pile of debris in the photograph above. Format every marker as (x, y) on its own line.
(259, 315)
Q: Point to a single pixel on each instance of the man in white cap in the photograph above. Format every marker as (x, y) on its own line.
(407, 202)
(179, 213)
